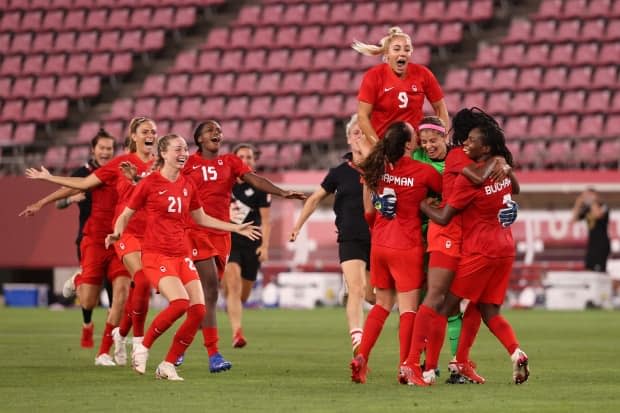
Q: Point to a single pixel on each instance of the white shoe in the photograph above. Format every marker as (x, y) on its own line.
(120, 350)
(68, 288)
(104, 360)
(166, 371)
(139, 356)
(520, 367)
(429, 377)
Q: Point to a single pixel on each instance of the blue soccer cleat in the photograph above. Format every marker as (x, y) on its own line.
(179, 360)
(218, 363)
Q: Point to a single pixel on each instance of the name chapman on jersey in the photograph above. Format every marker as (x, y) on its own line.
(398, 180)
(497, 186)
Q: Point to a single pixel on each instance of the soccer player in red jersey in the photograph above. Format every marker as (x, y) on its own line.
(395, 90)
(143, 134)
(488, 249)
(168, 199)
(396, 255)
(214, 176)
(96, 213)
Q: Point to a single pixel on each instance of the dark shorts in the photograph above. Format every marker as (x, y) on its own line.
(354, 250)
(247, 259)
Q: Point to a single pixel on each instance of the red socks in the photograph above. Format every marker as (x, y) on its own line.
(428, 335)
(106, 339)
(140, 302)
(164, 320)
(125, 323)
(502, 329)
(436, 337)
(372, 328)
(405, 332)
(209, 334)
(186, 332)
(469, 331)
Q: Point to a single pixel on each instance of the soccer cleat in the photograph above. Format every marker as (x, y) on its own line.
(402, 373)
(356, 348)
(414, 376)
(87, 336)
(166, 371)
(179, 360)
(104, 360)
(466, 370)
(455, 377)
(68, 288)
(359, 369)
(120, 350)
(139, 356)
(218, 363)
(520, 368)
(239, 340)
(429, 377)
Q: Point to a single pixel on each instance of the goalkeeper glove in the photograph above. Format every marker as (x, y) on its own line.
(507, 216)
(385, 204)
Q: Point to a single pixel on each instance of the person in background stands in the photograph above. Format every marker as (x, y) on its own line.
(590, 207)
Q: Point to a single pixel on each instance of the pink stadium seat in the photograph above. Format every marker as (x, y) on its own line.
(231, 60)
(237, 107)
(5, 88)
(292, 82)
(6, 134)
(87, 131)
(217, 38)
(613, 29)
(21, 42)
(153, 40)
(453, 100)
(573, 101)
(57, 110)
(190, 108)
(315, 82)
(612, 126)
(162, 16)
(250, 15)
(74, 19)
(199, 84)
(543, 31)
(331, 106)
(561, 54)
(44, 87)
(167, 108)
(450, 33)
(548, 102)
(213, 107)
(118, 18)
(615, 103)
(301, 59)
(597, 8)
(289, 155)
(598, 101)
(308, 36)
(427, 34)
(480, 79)
(592, 30)
(268, 155)
(513, 55)
(277, 60)
(275, 130)
(144, 107)
(255, 60)
(5, 41)
(115, 128)
(77, 63)
(591, 126)
(555, 78)
(55, 157)
(514, 146)
(22, 88)
(260, 106)
(488, 55)
(541, 126)
(568, 31)
(131, 40)
(317, 13)
(340, 82)
(363, 13)
(12, 110)
(323, 59)
(608, 153)
(223, 84)
(208, 61)
(11, 21)
(307, 106)
(11, 65)
(230, 129)
(580, 77)
(573, 8)
(477, 99)
(120, 109)
(456, 79)
(33, 64)
(108, 41)
(559, 154)
(283, 106)
(34, 110)
(505, 79)
(43, 42)
(86, 41)
(154, 85)
(586, 53)
(77, 156)
(299, 129)
(264, 36)
(457, 10)
(433, 11)
(97, 19)
(65, 42)
(537, 54)
(499, 102)
(285, 37)
(341, 13)
(332, 36)
(272, 14)
(387, 11)
(549, 9)
(522, 103)
(566, 126)
(481, 10)
(251, 130)
(24, 133)
(184, 128)
(185, 61)
(177, 84)
(295, 14)
(605, 76)
(241, 37)
(99, 64)
(322, 129)
(140, 18)
(609, 53)
(246, 83)
(269, 83)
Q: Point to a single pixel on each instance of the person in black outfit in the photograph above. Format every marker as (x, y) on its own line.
(353, 233)
(590, 206)
(248, 205)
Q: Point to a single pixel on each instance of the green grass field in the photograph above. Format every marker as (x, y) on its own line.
(298, 361)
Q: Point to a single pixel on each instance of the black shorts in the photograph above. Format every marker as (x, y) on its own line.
(247, 259)
(354, 250)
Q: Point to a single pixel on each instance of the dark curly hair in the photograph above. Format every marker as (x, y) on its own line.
(467, 119)
(388, 150)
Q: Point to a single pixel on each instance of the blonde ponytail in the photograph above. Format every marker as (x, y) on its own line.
(381, 49)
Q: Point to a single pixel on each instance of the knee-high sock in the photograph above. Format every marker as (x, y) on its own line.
(140, 302)
(421, 329)
(211, 338)
(164, 320)
(454, 331)
(186, 332)
(469, 331)
(125, 324)
(405, 332)
(436, 337)
(502, 329)
(372, 328)
(106, 339)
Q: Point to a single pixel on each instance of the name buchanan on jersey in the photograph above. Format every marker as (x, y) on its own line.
(497, 186)
(398, 180)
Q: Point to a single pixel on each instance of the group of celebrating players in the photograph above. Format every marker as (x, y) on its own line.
(169, 222)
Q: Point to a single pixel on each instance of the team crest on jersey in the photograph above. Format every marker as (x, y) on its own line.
(414, 88)
(249, 192)
(194, 252)
(184, 191)
(220, 162)
(448, 244)
(121, 246)
(162, 269)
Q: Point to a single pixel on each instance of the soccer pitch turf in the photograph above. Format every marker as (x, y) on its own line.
(298, 361)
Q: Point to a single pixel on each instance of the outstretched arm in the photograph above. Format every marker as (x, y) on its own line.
(61, 193)
(247, 229)
(309, 207)
(82, 184)
(441, 216)
(266, 185)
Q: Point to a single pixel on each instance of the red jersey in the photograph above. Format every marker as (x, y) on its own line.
(479, 205)
(100, 222)
(214, 180)
(410, 180)
(394, 99)
(167, 206)
(111, 175)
